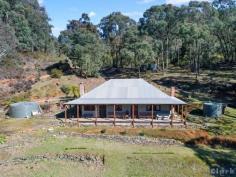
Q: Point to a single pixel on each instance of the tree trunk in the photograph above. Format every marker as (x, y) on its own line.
(139, 72)
(190, 59)
(162, 56)
(167, 53)
(196, 58)
(178, 56)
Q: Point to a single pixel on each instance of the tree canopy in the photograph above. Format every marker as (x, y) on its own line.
(197, 35)
(82, 44)
(26, 25)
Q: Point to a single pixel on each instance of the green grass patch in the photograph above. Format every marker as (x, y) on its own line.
(224, 125)
(2, 139)
(152, 153)
(124, 159)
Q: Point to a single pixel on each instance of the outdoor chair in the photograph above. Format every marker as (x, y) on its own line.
(163, 116)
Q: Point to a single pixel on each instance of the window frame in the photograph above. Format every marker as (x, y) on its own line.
(155, 108)
(148, 108)
(119, 108)
(89, 107)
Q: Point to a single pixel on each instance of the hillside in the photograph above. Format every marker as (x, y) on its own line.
(26, 45)
(24, 27)
(189, 46)
(19, 77)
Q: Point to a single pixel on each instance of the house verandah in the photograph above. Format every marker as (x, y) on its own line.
(126, 101)
(119, 114)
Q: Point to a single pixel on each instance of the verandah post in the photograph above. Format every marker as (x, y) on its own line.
(65, 113)
(132, 116)
(152, 117)
(171, 115)
(78, 114)
(96, 114)
(185, 115)
(114, 114)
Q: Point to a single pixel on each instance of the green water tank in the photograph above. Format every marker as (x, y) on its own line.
(211, 109)
(24, 110)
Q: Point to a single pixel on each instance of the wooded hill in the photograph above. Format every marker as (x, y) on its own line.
(197, 35)
(24, 27)
(194, 36)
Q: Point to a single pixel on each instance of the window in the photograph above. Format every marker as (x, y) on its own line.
(118, 107)
(149, 108)
(155, 108)
(89, 107)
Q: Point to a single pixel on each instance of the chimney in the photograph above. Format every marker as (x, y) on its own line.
(172, 93)
(82, 89)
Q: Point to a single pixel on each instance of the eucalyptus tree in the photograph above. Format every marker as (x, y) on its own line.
(224, 27)
(160, 22)
(112, 28)
(137, 50)
(81, 43)
(195, 35)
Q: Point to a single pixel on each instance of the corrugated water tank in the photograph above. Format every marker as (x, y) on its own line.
(211, 109)
(24, 110)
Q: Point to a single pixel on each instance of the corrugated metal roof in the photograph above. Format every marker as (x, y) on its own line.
(126, 91)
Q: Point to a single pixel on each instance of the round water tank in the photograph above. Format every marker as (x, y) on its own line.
(211, 109)
(24, 110)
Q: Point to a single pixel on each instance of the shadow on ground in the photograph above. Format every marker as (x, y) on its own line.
(221, 161)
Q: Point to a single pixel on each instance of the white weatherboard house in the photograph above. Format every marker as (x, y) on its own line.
(124, 98)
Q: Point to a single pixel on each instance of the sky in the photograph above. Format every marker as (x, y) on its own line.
(61, 11)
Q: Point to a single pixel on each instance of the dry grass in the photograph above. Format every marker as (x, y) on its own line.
(51, 87)
(9, 127)
(178, 134)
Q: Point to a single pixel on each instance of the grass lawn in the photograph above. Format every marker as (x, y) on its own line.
(120, 160)
(225, 125)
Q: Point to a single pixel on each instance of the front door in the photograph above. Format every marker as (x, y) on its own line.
(102, 111)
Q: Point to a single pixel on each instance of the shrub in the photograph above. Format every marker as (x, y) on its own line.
(45, 107)
(65, 89)
(56, 73)
(18, 98)
(103, 131)
(75, 92)
(141, 134)
(123, 133)
(71, 90)
(2, 139)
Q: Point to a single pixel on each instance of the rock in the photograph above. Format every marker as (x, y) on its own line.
(133, 139)
(82, 159)
(51, 130)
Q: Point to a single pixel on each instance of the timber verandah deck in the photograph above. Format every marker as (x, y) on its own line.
(178, 118)
(124, 122)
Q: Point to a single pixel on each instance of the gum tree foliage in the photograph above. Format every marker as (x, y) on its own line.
(195, 35)
(27, 24)
(83, 46)
(137, 50)
(112, 29)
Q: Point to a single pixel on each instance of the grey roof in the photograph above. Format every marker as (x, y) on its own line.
(126, 91)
